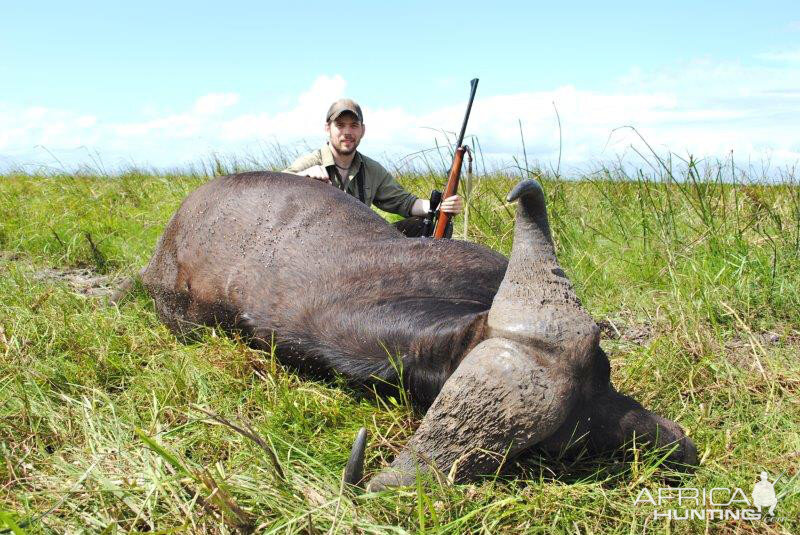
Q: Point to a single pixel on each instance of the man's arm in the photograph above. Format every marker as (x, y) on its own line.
(421, 207)
(392, 197)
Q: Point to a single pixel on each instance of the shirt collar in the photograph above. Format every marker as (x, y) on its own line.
(328, 161)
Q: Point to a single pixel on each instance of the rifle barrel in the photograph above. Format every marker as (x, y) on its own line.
(474, 84)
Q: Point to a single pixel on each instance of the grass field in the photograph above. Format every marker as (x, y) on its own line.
(693, 274)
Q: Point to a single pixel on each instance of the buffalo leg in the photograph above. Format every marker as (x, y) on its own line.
(411, 227)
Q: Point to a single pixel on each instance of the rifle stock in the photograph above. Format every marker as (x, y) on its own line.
(450, 190)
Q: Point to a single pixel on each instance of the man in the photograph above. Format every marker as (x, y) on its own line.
(339, 163)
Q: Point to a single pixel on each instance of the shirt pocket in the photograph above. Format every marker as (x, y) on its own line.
(369, 194)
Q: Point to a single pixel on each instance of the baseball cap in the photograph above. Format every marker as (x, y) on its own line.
(342, 105)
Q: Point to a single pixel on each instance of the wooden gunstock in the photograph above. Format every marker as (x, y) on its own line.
(449, 191)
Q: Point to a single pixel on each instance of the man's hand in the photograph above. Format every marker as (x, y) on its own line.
(452, 205)
(318, 172)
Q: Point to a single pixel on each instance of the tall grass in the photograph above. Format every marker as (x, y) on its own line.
(692, 269)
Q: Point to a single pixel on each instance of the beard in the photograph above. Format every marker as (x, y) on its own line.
(345, 151)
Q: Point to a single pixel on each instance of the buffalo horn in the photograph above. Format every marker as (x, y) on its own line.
(536, 303)
(354, 472)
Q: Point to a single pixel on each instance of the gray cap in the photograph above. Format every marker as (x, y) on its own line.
(342, 105)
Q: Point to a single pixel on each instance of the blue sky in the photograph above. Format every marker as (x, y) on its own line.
(168, 83)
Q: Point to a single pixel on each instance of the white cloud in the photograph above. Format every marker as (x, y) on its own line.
(305, 119)
(789, 56)
(38, 125)
(202, 116)
(215, 103)
(703, 107)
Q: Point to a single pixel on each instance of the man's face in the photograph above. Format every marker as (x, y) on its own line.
(345, 133)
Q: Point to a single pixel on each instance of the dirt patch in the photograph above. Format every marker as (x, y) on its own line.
(637, 333)
(752, 352)
(793, 339)
(83, 281)
(9, 256)
(608, 330)
(767, 338)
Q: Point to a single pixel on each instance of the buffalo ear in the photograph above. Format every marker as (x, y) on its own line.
(616, 420)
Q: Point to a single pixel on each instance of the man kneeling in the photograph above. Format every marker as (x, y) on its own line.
(339, 163)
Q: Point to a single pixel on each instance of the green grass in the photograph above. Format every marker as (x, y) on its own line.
(100, 421)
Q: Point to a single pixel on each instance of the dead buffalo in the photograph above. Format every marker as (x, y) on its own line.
(499, 353)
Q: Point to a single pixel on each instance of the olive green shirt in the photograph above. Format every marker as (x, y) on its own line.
(380, 187)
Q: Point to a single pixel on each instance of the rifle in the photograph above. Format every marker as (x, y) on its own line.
(436, 218)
